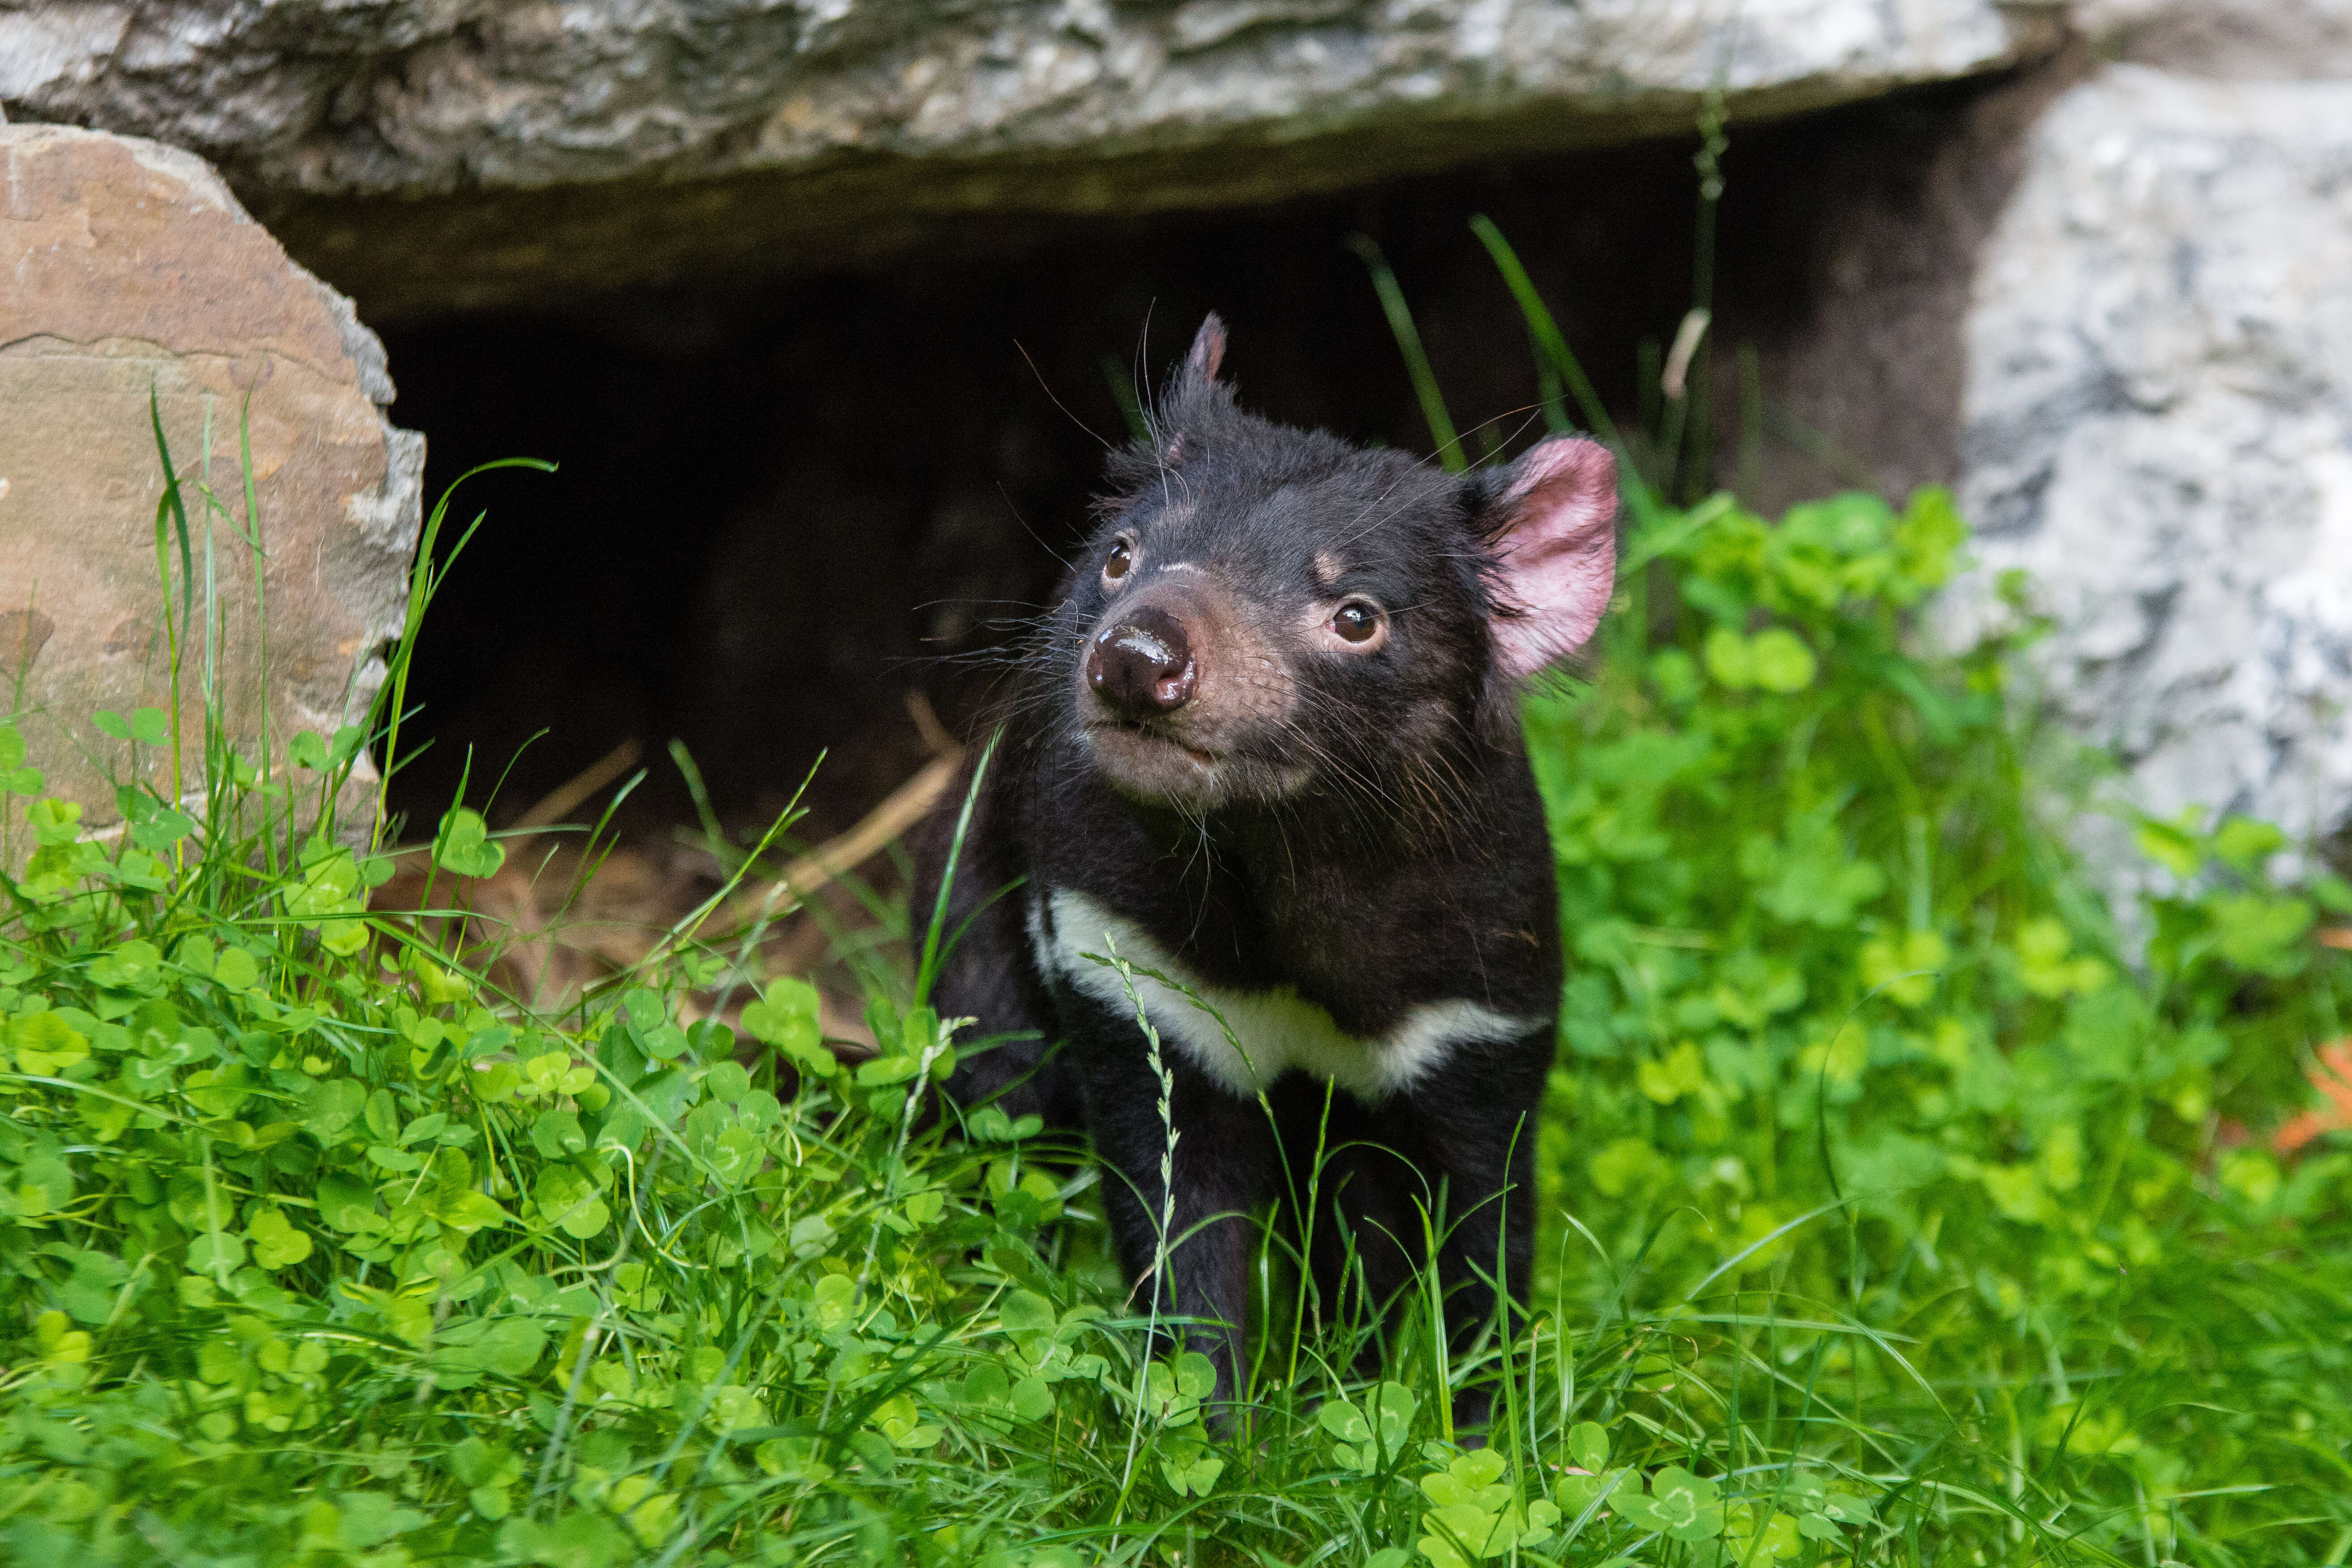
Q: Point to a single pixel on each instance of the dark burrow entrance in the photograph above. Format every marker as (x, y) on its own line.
(783, 507)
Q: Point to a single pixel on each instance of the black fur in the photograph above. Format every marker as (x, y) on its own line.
(1404, 861)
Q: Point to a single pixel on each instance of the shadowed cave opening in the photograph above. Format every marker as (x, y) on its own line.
(783, 505)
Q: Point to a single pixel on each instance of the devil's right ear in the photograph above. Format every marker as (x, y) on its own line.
(1194, 392)
(1191, 407)
(1208, 348)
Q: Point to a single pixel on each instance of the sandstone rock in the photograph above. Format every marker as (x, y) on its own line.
(131, 272)
(2158, 429)
(516, 118)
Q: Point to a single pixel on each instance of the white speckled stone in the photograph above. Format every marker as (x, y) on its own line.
(2158, 429)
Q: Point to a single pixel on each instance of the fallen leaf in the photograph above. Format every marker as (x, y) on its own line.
(2331, 1075)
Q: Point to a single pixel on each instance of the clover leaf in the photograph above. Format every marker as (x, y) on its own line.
(1679, 1505)
(463, 846)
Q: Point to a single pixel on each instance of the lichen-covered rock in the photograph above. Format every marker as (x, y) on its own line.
(132, 274)
(2158, 429)
(864, 111)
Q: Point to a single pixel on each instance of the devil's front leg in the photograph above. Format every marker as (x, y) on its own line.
(1473, 1123)
(1188, 1236)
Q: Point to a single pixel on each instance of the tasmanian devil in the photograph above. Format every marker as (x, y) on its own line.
(1265, 745)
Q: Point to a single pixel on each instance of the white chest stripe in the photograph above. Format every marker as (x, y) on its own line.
(1278, 1031)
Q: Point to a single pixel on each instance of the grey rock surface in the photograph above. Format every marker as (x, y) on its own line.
(403, 97)
(2253, 41)
(431, 154)
(2158, 429)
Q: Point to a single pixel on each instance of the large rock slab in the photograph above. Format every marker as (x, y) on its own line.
(748, 130)
(2158, 430)
(132, 274)
(2251, 40)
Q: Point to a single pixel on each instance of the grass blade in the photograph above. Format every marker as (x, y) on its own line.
(1416, 362)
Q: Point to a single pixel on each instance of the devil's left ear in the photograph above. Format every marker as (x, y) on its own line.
(1551, 519)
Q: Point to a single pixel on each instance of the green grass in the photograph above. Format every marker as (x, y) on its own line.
(1893, 1210)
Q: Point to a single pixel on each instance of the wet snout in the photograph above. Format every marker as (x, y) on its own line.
(1141, 663)
(1180, 693)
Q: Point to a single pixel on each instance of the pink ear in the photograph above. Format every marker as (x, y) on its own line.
(1556, 541)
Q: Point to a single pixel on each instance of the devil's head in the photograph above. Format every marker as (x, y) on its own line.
(1266, 611)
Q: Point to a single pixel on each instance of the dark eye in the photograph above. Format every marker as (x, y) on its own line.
(1121, 561)
(1357, 621)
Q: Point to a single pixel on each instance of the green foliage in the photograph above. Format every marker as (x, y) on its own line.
(296, 1216)
(1894, 1212)
(1890, 1166)
(1845, 1027)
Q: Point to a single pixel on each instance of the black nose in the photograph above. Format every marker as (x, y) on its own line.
(1141, 663)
